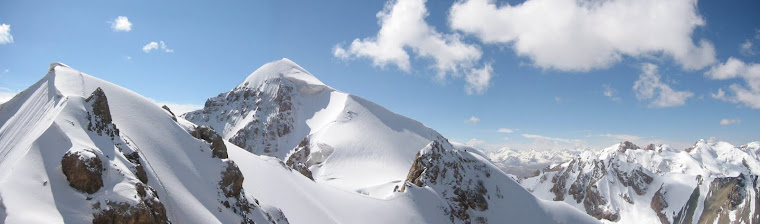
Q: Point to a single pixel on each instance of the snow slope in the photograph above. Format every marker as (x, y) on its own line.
(53, 117)
(707, 183)
(149, 166)
(353, 144)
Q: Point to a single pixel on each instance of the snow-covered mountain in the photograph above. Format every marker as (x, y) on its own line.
(523, 163)
(77, 149)
(706, 183)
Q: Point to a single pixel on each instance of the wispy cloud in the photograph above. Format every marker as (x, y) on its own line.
(505, 130)
(650, 87)
(5, 34)
(610, 93)
(541, 137)
(472, 120)
(727, 121)
(121, 24)
(156, 46)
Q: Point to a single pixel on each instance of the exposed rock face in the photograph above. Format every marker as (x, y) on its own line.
(83, 170)
(658, 204)
(271, 107)
(444, 169)
(174, 117)
(139, 171)
(148, 210)
(298, 159)
(100, 118)
(206, 133)
(686, 214)
(232, 180)
(596, 205)
(627, 145)
(726, 195)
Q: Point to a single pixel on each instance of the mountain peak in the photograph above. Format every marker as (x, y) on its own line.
(280, 69)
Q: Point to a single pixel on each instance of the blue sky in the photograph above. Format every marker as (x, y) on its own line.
(525, 74)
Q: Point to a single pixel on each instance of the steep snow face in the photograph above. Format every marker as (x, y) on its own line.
(524, 163)
(706, 183)
(283, 111)
(74, 149)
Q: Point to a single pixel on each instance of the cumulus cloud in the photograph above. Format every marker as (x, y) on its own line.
(475, 142)
(403, 30)
(726, 121)
(611, 93)
(472, 120)
(153, 46)
(573, 35)
(650, 87)
(121, 24)
(178, 108)
(478, 80)
(747, 94)
(505, 130)
(5, 34)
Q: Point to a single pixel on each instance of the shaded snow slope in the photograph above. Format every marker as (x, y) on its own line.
(352, 143)
(706, 183)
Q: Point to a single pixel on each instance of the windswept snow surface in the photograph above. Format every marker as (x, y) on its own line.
(359, 152)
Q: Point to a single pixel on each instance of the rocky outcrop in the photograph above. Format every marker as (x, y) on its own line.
(232, 180)
(139, 171)
(174, 117)
(206, 133)
(686, 214)
(298, 159)
(724, 197)
(83, 170)
(658, 204)
(148, 210)
(271, 107)
(596, 205)
(444, 169)
(99, 115)
(637, 179)
(627, 145)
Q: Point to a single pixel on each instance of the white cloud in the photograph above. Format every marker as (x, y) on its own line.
(746, 48)
(541, 137)
(121, 24)
(5, 34)
(505, 130)
(649, 87)
(621, 137)
(726, 121)
(6, 94)
(403, 29)
(611, 93)
(475, 142)
(152, 46)
(178, 108)
(748, 94)
(573, 35)
(472, 120)
(478, 80)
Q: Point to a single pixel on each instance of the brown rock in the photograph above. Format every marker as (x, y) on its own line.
(232, 180)
(206, 133)
(83, 173)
